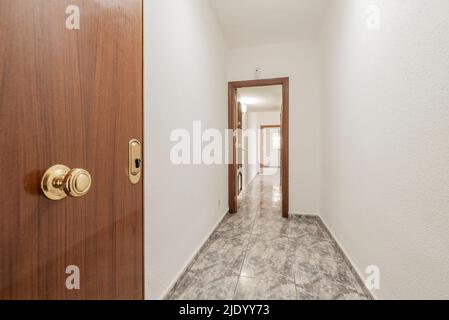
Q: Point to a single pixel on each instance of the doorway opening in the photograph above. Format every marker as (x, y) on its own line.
(270, 149)
(272, 138)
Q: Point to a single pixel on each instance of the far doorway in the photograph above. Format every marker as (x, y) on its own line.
(259, 116)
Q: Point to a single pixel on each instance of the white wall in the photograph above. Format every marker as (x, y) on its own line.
(268, 118)
(185, 80)
(300, 62)
(386, 142)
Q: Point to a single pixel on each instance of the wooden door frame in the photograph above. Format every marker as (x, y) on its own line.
(261, 145)
(232, 119)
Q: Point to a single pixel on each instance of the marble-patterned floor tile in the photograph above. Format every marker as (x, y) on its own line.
(269, 258)
(326, 247)
(199, 286)
(327, 288)
(300, 226)
(310, 262)
(244, 207)
(223, 254)
(248, 212)
(302, 245)
(274, 225)
(307, 270)
(353, 296)
(240, 223)
(257, 254)
(255, 289)
(321, 272)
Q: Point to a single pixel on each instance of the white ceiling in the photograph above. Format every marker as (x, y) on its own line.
(262, 99)
(256, 22)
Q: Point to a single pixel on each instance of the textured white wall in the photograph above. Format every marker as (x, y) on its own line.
(300, 62)
(386, 142)
(185, 80)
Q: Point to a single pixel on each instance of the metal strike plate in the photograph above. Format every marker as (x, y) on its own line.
(135, 161)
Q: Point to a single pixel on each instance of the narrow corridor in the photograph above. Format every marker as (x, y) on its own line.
(256, 254)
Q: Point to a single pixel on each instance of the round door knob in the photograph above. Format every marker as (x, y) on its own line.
(60, 181)
(77, 183)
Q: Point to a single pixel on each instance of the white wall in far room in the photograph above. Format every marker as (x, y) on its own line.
(269, 118)
(250, 167)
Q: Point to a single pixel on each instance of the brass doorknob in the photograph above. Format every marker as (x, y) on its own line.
(60, 181)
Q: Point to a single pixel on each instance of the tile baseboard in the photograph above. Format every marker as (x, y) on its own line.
(303, 214)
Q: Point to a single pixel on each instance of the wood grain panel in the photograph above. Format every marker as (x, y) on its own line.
(74, 98)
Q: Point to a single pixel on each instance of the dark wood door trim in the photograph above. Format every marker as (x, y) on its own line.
(232, 119)
(233, 166)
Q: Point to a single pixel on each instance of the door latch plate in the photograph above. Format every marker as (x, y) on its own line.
(135, 161)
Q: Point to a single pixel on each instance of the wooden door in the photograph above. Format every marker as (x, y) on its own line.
(70, 94)
(270, 155)
(240, 149)
(233, 167)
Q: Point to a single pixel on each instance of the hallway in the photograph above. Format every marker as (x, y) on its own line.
(256, 254)
(132, 129)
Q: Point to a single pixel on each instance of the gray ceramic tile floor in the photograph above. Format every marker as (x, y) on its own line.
(257, 255)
